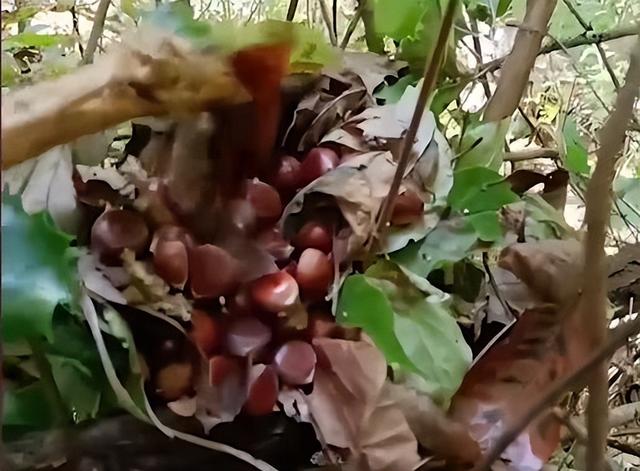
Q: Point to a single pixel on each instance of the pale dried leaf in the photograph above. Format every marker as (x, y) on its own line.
(351, 411)
(221, 403)
(89, 270)
(110, 175)
(50, 188)
(371, 69)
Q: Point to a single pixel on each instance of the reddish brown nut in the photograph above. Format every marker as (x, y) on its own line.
(314, 273)
(172, 232)
(286, 178)
(207, 332)
(407, 208)
(317, 162)
(116, 230)
(171, 262)
(314, 235)
(263, 390)
(174, 380)
(222, 367)
(247, 335)
(242, 215)
(275, 292)
(295, 362)
(272, 241)
(265, 200)
(213, 271)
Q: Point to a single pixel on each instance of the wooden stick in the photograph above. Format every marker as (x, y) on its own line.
(430, 77)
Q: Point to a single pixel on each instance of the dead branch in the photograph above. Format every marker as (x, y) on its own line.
(617, 338)
(353, 22)
(428, 85)
(518, 65)
(592, 306)
(96, 31)
(531, 154)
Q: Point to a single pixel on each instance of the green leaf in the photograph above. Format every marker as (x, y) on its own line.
(543, 221)
(399, 18)
(78, 388)
(20, 14)
(10, 70)
(482, 145)
(448, 242)
(38, 272)
(445, 94)
(29, 39)
(577, 157)
(27, 407)
(487, 226)
(415, 333)
(392, 93)
(479, 189)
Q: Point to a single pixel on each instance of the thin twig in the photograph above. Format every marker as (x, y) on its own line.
(430, 77)
(353, 23)
(326, 16)
(334, 16)
(494, 286)
(475, 37)
(623, 447)
(617, 339)
(588, 28)
(96, 31)
(291, 12)
(531, 154)
(76, 30)
(593, 301)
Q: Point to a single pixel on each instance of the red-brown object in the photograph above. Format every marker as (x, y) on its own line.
(314, 273)
(314, 235)
(263, 390)
(407, 208)
(275, 292)
(207, 332)
(318, 161)
(116, 230)
(212, 271)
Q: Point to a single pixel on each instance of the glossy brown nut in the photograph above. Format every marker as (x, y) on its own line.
(263, 390)
(207, 332)
(213, 271)
(314, 273)
(222, 367)
(275, 292)
(286, 178)
(407, 208)
(295, 362)
(265, 200)
(174, 380)
(317, 162)
(171, 262)
(314, 235)
(116, 230)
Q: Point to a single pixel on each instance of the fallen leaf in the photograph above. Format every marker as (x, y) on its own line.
(506, 381)
(112, 176)
(417, 334)
(91, 273)
(351, 411)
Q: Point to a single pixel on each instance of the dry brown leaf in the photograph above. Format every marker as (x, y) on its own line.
(549, 268)
(351, 410)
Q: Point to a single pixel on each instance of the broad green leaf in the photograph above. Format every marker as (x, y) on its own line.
(38, 272)
(78, 388)
(416, 48)
(10, 70)
(448, 242)
(487, 226)
(478, 189)
(445, 94)
(482, 145)
(20, 14)
(577, 157)
(418, 334)
(392, 93)
(27, 407)
(29, 39)
(399, 18)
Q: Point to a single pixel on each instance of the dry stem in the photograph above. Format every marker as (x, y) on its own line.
(593, 301)
(96, 31)
(518, 65)
(430, 77)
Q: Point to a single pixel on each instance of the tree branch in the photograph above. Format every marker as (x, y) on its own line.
(593, 301)
(96, 31)
(518, 64)
(617, 338)
(326, 16)
(576, 41)
(353, 22)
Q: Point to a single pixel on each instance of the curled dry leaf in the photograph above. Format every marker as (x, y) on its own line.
(358, 187)
(351, 410)
(549, 268)
(506, 381)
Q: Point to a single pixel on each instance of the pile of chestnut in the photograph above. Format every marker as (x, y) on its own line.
(266, 324)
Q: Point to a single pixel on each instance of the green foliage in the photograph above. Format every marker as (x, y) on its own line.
(38, 272)
(27, 408)
(450, 241)
(482, 145)
(577, 157)
(29, 39)
(416, 334)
